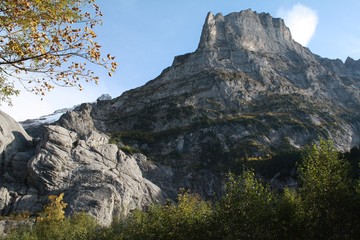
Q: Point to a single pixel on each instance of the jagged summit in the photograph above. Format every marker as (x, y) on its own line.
(245, 30)
(248, 42)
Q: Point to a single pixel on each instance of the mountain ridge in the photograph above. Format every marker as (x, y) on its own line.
(293, 70)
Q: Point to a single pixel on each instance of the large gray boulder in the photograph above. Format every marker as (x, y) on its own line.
(4, 197)
(13, 141)
(11, 132)
(16, 148)
(96, 176)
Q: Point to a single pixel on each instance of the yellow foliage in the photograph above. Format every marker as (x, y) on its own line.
(41, 36)
(54, 211)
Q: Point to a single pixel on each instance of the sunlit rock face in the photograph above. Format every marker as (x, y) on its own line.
(246, 80)
(248, 89)
(95, 175)
(245, 30)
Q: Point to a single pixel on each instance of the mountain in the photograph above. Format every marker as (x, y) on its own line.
(249, 81)
(249, 91)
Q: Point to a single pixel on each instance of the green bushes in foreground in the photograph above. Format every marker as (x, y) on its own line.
(80, 226)
(325, 206)
(191, 218)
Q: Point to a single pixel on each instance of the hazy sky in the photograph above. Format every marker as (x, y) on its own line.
(145, 36)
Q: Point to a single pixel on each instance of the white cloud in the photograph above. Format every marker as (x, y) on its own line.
(302, 22)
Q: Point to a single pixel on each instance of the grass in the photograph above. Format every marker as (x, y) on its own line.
(129, 149)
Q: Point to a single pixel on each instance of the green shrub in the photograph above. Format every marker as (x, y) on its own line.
(54, 211)
(52, 224)
(327, 193)
(247, 209)
(189, 219)
(129, 149)
(78, 227)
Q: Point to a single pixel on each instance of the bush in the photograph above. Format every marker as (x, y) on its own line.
(78, 227)
(247, 209)
(327, 193)
(52, 224)
(129, 149)
(189, 219)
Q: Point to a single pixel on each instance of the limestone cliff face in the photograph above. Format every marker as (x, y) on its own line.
(245, 30)
(247, 89)
(246, 68)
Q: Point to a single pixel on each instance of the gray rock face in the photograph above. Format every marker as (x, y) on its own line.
(245, 30)
(13, 141)
(96, 177)
(246, 64)
(4, 197)
(104, 97)
(248, 89)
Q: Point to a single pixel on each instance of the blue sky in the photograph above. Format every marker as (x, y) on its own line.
(146, 35)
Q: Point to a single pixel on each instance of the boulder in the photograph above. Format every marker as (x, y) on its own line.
(96, 176)
(13, 139)
(4, 198)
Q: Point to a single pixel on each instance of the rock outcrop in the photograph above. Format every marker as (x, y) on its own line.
(96, 176)
(14, 143)
(16, 148)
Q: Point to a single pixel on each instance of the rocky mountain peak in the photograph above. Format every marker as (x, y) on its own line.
(246, 75)
(249, 30)
(255, 44)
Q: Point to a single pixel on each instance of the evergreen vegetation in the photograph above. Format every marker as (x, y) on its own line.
(325, 206)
